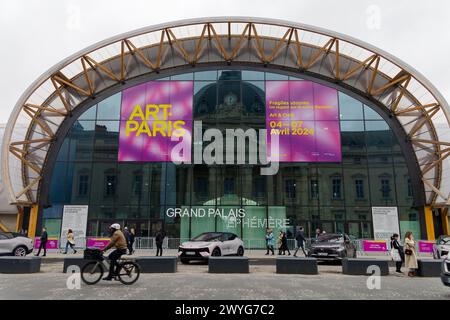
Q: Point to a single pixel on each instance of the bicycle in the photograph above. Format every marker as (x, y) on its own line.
(92, 272)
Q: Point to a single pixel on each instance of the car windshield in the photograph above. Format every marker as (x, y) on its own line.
(445, 240)
(330, 238)
(208, 236)
(6, 235)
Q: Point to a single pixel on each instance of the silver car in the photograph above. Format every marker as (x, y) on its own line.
(16, 244)
(442, 247)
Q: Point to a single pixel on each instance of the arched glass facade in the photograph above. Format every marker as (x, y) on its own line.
(333, 196)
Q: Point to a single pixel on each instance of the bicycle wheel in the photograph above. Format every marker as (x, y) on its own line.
(129, 272)
(92, 272)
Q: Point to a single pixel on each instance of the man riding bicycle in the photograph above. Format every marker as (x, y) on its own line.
(117, 241)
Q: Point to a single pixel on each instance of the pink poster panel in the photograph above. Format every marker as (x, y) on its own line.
(426, 246)
(99, 243)
(52, 243)
(374, 245)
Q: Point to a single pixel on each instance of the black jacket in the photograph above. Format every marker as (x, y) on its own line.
(159, 238)
(300, 238)
(44, 236)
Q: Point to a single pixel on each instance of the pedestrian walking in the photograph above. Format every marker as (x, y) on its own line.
(397, 253)
(280, 242)
(270, 241)
(300, 238)
(159, 239)
(126, 234)
(284, 244)
(131, 241)
(410, 254)
(43, 245)
(70, 242)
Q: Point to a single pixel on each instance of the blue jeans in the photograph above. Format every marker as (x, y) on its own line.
(71, 246)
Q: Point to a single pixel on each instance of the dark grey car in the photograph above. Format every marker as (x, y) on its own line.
(445, 274)
(332, 247)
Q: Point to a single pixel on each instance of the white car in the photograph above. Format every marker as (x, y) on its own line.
(442, 247)
(15, 244)
(211, 244)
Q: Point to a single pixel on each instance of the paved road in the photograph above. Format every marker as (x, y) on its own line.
(193, 282)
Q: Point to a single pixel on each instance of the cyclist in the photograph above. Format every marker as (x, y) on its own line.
(117, 241)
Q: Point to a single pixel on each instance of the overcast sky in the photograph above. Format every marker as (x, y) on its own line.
(36, 34)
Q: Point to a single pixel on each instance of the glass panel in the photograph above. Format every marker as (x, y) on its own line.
(79, 179)
(230, 75)
(252, 75)
(109, 109)
(81, 140)
(89, 114)
(106, 140)
(58, 192)
(350, 108)
(205, 100)
(370, 114)
(409, 221)
(104, 183)
(183, 77)
(205, 75)
(275, 76)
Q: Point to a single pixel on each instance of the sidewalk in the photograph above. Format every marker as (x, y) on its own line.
(251, 254)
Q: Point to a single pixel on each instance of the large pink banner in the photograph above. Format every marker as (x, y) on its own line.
(155, 117)
(305, 117)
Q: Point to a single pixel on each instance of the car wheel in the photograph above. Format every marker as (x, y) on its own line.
(216, 252)
(184, 261)
(20, 252)
(240, 251)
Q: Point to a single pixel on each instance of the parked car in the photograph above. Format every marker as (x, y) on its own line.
(445, 275)
(16, 244)
(333, 246)
(210, 244)
(442, 247)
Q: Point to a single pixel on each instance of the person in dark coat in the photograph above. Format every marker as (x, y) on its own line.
(159, 238)
(395, 245)
(300, 237)
(284, 244)
(126, 234)
(43, 245)
(131, 241)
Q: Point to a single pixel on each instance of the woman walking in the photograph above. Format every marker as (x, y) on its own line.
(397, 253)
(270, 241)
(284, 244)
(410, 254)
(70, 242)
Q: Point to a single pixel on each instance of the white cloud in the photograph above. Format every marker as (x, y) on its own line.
(36, 34)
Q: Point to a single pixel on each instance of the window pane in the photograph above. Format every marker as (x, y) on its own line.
(370, 114)
(350, 108)
(252, 75)
(89, 114)
(109, 109)
(206, 75)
